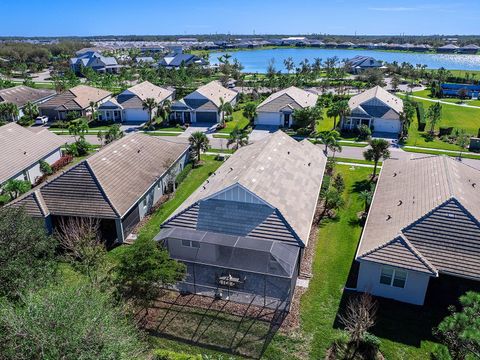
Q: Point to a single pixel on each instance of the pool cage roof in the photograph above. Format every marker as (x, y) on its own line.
(241, 253)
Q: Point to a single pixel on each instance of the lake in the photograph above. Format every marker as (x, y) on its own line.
(257, 60)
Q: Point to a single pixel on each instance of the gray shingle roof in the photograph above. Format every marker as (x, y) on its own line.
(76, 98)
(433, 203)
(20, 148)
(379, 93)
(284, 173)
(293, 97)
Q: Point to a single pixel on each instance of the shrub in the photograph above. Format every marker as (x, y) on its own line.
(45, 168)
(59, 124)
(25, 121)
(171, 355)
(60, 163)
(422, 123)
(364, 132)
(79, 148)
(339, 183)
(4, 199)
(445, 131)
(304, 132)
(183, 174)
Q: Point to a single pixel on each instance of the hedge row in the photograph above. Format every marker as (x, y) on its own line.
(422, 123)
(183, 174)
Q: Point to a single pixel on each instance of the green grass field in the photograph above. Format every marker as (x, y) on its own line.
(238, 120)
(427, 94)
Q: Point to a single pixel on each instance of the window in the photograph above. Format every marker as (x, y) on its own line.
(144, 202)
(393, 277)
(192, 244)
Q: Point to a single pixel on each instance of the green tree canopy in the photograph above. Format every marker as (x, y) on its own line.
(378, 150)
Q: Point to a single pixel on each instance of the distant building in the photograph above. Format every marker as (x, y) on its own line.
(361, 63)
(75, 100)
(449, 48)
(144, 60)
(128, 105)
(469, 49)
(455, 90)
(21, 151)
(21, 94)
(96, 61)
(177, 60)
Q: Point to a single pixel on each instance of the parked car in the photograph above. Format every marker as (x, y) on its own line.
(41, 120)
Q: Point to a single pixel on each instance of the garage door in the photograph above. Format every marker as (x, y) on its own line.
(266, 118)
(387, 126)
(206, 117)
(135, 115)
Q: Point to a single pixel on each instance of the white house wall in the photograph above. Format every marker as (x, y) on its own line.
(413, 293)
(34, 170)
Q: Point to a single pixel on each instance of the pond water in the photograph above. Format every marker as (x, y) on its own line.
(258, 60)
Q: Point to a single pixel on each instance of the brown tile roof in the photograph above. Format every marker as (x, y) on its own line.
(110, 182)
(20, 148)
(146, 90)
(213, 91)
(292, 97)
(76, 98)
(284, 173)
(433, 203)
(20, 95)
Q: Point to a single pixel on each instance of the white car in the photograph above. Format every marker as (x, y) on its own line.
(41, 120)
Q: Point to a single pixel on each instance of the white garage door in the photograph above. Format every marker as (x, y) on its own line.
(387, 126)
(267, 118)
(135, 115)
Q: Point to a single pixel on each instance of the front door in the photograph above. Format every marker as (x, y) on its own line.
(286, 120)
(186, 117)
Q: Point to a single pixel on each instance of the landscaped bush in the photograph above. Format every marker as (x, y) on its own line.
(364, 132)
(171, 355)
(25, 121)
(4, 198)
(304, 132)
(59, 124)
(60, 163)
(79, 148)
(445, 131)
(45, 167)
(421, 116)
(183, 174)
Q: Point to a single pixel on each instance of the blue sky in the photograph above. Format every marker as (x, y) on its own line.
(150, 17)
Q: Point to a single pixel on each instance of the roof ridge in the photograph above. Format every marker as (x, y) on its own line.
(427, 214)
(100, 187)
(418, 254)
(449, 178)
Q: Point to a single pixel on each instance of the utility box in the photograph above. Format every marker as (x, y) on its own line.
(475, 144)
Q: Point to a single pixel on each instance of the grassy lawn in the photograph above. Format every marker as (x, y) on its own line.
(194, 179)
(452, 116)
(356, 161)
(325, 124)
(427, 94)
(223, 151)
(238, 120)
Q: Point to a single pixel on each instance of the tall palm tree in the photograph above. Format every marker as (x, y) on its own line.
(149, 104)
(434, 114)
(164, 110)
(225, 108)
(250, 111)
(8, 111)
(378, 150)
(199, 142)
(238, 137)
(339, 109)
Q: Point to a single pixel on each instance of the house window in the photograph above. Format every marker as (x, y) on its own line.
(144, 202)
(393, 277)
(192, 244)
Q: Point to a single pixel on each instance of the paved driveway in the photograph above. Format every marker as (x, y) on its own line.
(202, 127)
(261, 131)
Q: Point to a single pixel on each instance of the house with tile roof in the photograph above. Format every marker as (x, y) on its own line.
(376, 108)
(118, 185)
(278, 108)
(128, 105)
(75, 100)
(175, 61)
(20, 95)
(202, 105)
(250, 221)
(359, 63)
(96, 61)
(423, 227)
(21, 151)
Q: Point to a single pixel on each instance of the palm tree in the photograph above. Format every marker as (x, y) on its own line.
(15, 188)
(78, 128)
(225, 108)
(30, 110)
(8, 111)
(250, 111)
(238, 137)
(434, 114)
(164, 109)
(378, 150)
(339, 109)
(199, 142)
(149, 104)
(330, 139)
(366, 196)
